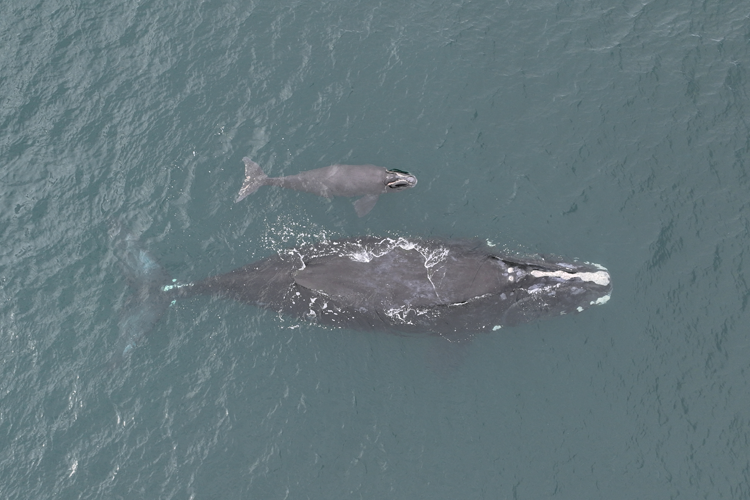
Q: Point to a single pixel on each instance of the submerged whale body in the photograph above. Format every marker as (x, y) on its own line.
(447, 288)
(367, 181)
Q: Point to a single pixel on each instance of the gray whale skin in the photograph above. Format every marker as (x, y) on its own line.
(410, 285)
(367, 181)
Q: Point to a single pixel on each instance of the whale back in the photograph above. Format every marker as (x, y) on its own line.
(403, 276)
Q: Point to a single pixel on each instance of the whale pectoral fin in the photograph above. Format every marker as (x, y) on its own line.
(365, 204)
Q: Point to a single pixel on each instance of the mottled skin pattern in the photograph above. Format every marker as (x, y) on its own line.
(449, 288)
(410, 285)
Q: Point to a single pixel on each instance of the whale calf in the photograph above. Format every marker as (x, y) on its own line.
(367, 181)
(449, 288)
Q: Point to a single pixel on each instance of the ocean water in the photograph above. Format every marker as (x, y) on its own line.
(614, 132)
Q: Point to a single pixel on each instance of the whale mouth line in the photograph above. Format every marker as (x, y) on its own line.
(398, 184)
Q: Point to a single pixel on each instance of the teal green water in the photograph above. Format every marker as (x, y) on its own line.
(615, 132)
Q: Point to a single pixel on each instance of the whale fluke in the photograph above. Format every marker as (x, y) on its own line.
(148, 301)
(410, 285)
(254, 178)
(405, 285)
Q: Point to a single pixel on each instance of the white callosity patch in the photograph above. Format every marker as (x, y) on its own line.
(599, 277)
(548, 289)
(600, 300)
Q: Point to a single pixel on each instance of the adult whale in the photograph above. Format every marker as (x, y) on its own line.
(448, 288)
(367, 181)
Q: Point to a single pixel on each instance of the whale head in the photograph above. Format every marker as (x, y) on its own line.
(397, 180)
(549, 289)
